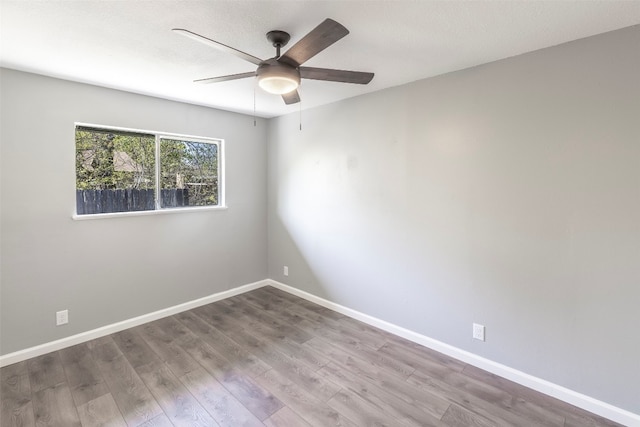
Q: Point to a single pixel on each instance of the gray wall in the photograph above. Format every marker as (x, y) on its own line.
(506, 194)
(108, 270)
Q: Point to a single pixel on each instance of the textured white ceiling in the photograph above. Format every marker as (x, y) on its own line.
(128, 44)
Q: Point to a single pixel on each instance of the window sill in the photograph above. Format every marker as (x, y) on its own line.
(77, 217)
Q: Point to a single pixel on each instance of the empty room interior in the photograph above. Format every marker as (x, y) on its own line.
(311, 213)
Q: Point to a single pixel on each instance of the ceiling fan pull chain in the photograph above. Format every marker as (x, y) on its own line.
(254, 105)
(300, 107)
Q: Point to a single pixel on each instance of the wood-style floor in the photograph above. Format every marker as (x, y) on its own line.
(266, 358)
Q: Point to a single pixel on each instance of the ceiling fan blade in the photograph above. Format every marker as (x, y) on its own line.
(318, 39)
(218, 45)
(292, 97)
(226, 78)
(331, 75)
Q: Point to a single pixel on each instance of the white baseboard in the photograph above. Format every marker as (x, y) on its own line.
(19, 356)
(585, 402)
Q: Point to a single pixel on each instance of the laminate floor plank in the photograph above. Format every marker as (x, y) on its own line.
(574, 416)
(275, 345)
(269, 302)
(392, 365)
(264, 300)
(404, 412)
(261, 316)
(312, 410)
(374, 337)
(357, 348)
(218, 401)
(267, 358)
(159, 421)
(270, 336)
(225, 346)
(295, 371)
(173, 328)
(332, 328)
(53, 406)
(285, 417)
(279, 339)
(277, 301)
(397, 346)
(316, 325)
(135, 348)
(294, 350)
(535, 414)
(83, 376)
(15, 369)
(104, 350)
(588, 420)
(45, 371)
(244, 313)
(461, 397)
(318, 309)
(273, 291)
(97, 342)
(361, 412)
(418, 362)
(101, 411)
(285, 299)
(432, 404)
(288, 316)
(135, 401)
(163, 344)
(180, 406)
(214, 315)
(427, 366)
(457, 416)
(242, 386)
(16, 409)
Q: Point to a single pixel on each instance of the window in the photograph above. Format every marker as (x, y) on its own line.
(120, 170)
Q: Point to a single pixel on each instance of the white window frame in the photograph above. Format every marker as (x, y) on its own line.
(159, 209)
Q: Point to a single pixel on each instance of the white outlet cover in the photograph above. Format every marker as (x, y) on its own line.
(62, 317)
(285, 270)
(478, 331)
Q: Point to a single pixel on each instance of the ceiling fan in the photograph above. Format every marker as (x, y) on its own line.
(281, 74)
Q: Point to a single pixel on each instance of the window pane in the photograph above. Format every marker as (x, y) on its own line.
(115, 171)
(189, 173)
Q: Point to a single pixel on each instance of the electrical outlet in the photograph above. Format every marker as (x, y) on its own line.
(285, 270)
(62, 317)
(478, 332)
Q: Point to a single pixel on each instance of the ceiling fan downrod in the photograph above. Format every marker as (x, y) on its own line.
(278, 39)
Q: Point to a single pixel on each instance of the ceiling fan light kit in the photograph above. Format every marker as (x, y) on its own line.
(281, 74)
(277, 78)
